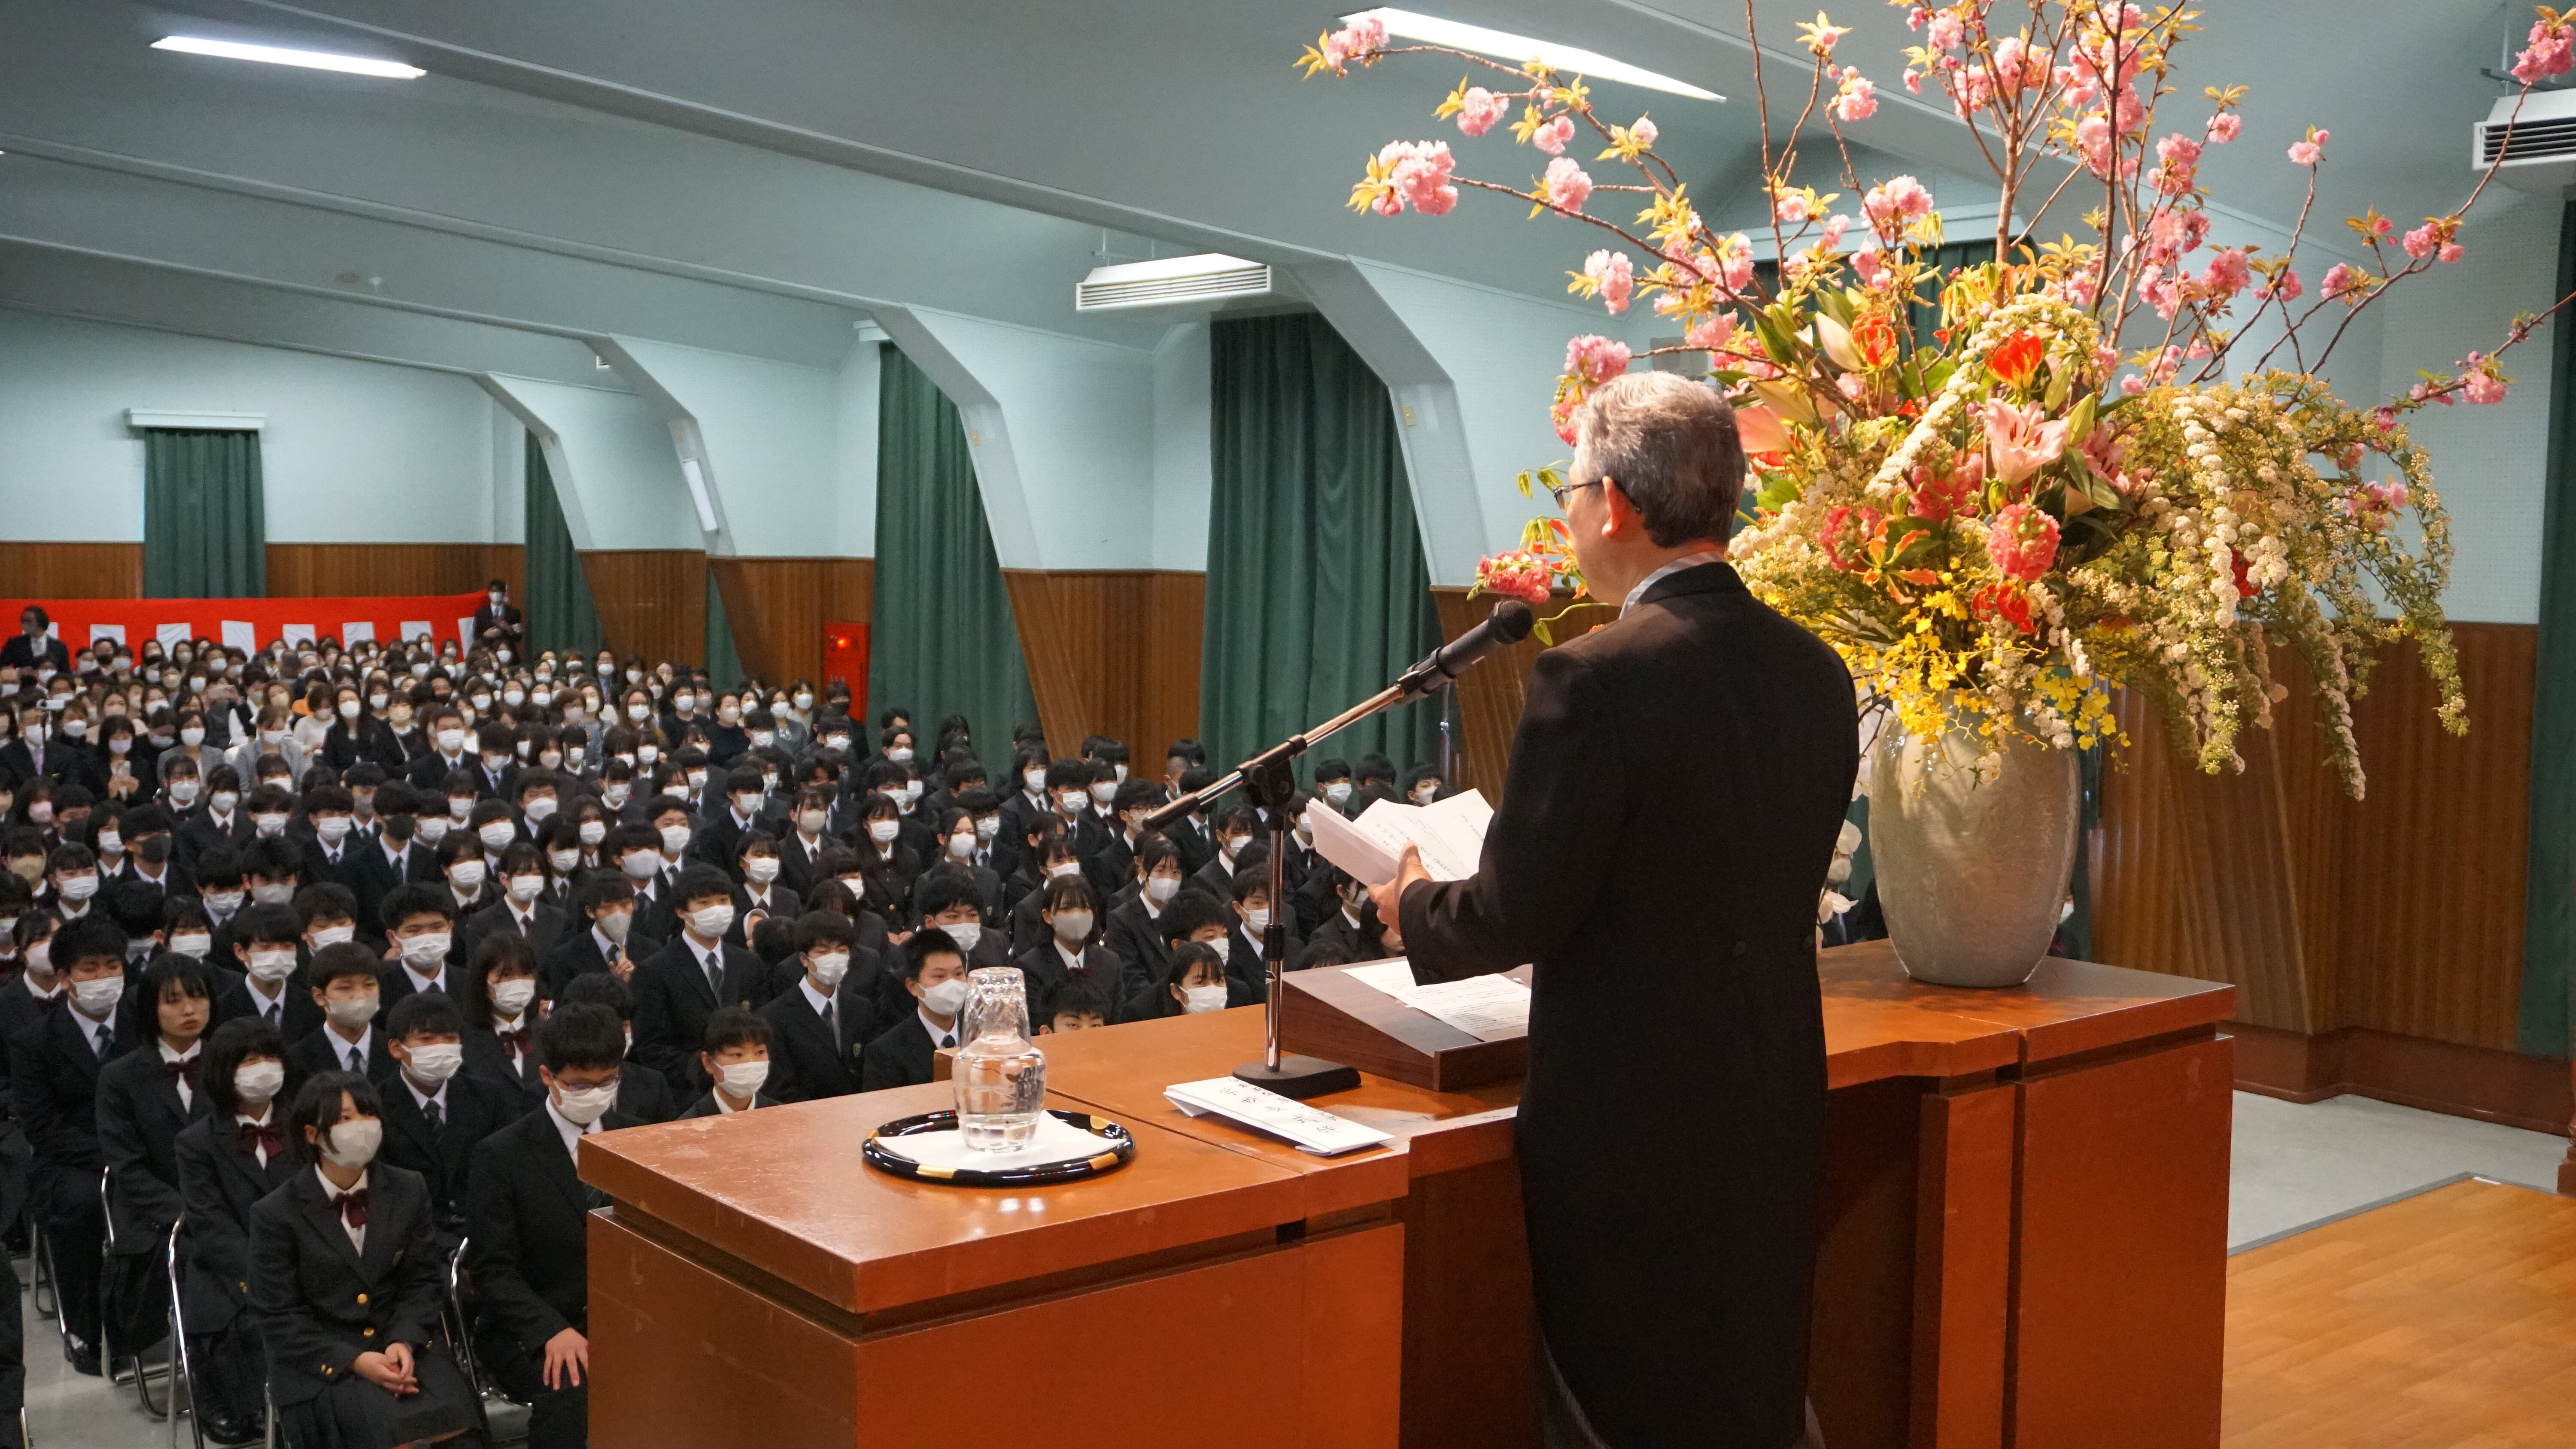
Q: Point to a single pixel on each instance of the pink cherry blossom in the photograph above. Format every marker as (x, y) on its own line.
(2479, 382)
(1855, 99)
(2553, 49)
(2419, 243)
(1789, 206)
(1735, 262)
(1418, 176)
(2133, 385)
(2451, 252)
(1515, 575)
(2022, 541)
(2307, 152)
(2286, 286)
(2022, 440)
(2342, 281)
(1565, 186)
(2224, 127)
(1870, 267)
(1481, 110)
(1595, 359)
(1363, 37)
(1945, 32)
(1644, 131)
(1713, 332)
(1894, 202)
(1615, 277)
(1552, 136)
(2227, 272)
(1835, 226)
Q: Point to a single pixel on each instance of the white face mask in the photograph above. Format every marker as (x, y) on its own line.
(640, 864)
(225, 800)
(1203, 998)
(900, 754)
(378, 701)
(430, 828)
(276, 893)
(97, 998)
(684, 702)
(761, 869)
(467, 875)
(272, 964)
(1104, 791)
(763, 739)
(193, 735)
(697, 780)
(945, 998)
(436, 1062)
(1338, 791)
(729, 715)
(614, 797)
(512, 997)
(1035, 780)
(742, 1079)
(79, 887)
(1072, 801)
(593, 831)
(563, 861)
(348, 709)
(581, 1108)
(426, 950)
(332, 828)
(1069, 867)
(746, 805)
(1256, 922)
(524, 888)
(332, 935)
(351, 1012)
(710, 921)
(615, 925)
(1073, 927)
(811, 821)
(639, 712)
(198, 943)
(961, 846)
(270, 823)
(1161, 888)
(987, 827)
(459, 807)
(965, 935)
(804, 701)
(513, 697)
(223, 903)
(450, 741)
(540, 809)
(830, 967)
(353, 1143)
(675, 838)
(883, 832)
(183, 792)
(258, 1082)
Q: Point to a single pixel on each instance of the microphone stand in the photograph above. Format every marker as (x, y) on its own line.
(1269, 780)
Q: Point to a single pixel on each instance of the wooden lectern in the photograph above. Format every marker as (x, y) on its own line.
(2023, 1242)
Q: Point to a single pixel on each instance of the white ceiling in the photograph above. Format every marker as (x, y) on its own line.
(754, 176)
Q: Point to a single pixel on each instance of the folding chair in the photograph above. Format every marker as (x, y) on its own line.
(143, 1374)
(40, 1269)
(453, 1314)
(182, 1370)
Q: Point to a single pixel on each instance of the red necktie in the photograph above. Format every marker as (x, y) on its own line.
(268, 1136)
(514, 1042)
(352, 1207)
(178, 1072)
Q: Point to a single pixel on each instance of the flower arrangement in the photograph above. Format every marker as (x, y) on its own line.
(2000, 489)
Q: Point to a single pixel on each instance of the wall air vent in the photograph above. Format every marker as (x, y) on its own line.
(1202, 280)
(2537, 146)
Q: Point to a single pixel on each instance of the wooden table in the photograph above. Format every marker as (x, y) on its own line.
(2024, 1221)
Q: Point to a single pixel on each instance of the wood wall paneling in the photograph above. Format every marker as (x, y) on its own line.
(651, 602)
(1112, 652)
(364, 570)
(46, 570)
(778, 607)
(2400, 913)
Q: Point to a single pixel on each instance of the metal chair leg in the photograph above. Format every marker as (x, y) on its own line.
(42, 1283)
(182, 1371)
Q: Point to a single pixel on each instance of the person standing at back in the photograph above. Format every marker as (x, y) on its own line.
(1676, 785)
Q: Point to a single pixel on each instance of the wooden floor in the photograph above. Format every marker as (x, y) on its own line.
(2445, 1321)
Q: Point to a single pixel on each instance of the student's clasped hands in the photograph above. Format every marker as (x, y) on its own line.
(389, 1370)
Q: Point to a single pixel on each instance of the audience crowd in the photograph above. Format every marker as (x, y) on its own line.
(327, 957)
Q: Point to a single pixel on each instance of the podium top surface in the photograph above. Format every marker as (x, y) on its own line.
(2066, 1007)
(784, 1190)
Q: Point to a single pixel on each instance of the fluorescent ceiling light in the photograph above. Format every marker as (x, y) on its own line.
(309, 59)
(1505, 46)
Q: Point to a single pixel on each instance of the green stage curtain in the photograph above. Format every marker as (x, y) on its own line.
(205, 530)
(724, 662)
(2549, 893)
(558, 607)
(1317, 593)
(942, 640)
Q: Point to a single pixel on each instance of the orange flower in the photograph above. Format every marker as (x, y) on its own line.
(1874, 338)
(2016, 358)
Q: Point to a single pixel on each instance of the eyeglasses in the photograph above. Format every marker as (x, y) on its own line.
(1564, 493)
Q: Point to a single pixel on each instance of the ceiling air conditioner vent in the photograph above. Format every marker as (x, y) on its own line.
(2537, 146)
(1209, 277)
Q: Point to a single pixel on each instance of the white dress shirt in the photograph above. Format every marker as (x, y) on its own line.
(357, 1235)
(187, 1094)
(1686, 561)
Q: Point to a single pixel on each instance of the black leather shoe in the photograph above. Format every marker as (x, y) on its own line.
(225, 1429)
(84, 1360)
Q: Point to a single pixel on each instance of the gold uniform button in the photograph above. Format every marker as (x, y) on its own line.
(362, 1298)
(366, 1333)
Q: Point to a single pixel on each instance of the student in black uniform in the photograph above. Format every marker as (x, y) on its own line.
(736, 1059)
(54, 1070)
(934, 975)
(818, 1025)
(642, 1093)
(347, 1283)
(680, 986)
(267, 943)
(530, 1252)
(229, 1158)
(1195, 982)
(603, 921)
(434, 1111)
(342, 981)
(1070, 910)
(145, 1098)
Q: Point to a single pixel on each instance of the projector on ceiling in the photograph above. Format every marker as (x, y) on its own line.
(2541, 153)
(1206, 278)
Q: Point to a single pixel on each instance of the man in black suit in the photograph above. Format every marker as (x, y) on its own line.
(934, 977)
(35, 644)
(391, 858)
(530, 1252)
(603, 914)
(448, 753)
(680, 986)
(420, 926)
(434, 1113)
(497, 624)
(817, 1026)
(1677, 782)
(54, 1071)
(642, 1093)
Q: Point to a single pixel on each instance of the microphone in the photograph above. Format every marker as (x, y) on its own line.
(1509, 624)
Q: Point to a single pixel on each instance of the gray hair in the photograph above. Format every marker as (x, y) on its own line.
(1670, 444)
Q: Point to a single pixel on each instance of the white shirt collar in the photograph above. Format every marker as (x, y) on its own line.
(813, 998)
(168, 1055)
(1686, 561)
(570, 1131)
(420, 1098)
(343, 1053)
(435, 981)
(1072, 957)
(30, 982)
(938, 1033)
(726, 1108)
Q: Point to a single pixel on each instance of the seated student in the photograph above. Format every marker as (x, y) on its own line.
(500, 1006)
(1114, 865)
(267, 946)
(522, 912)
(1352, 928)
(959, 847)
(603, 911)
(419, 923)
(819, 1025)
(394, 856)
(54, 1071)
(1235, 827)
(637, 851)
(1195, 982)
(331, 853)
(1251, 895)
(804, 843)
(36, 991)
(1073, 952)
(233, 1155)
(344, 983)
(1076, 1006)
(221, 821)
(144, 1099)
(934, 975)
(149, 860)
(642, 1093)
(529, 1257)
(736, 1060)
(760, 897)
(680, 986)
(1191, 832)
(947, 897)
(355, 1359)
(72, 870)
(1333, 783)
(1048, 858)
(1195, 918)
(434, 1111)
(1135, 933)
(466, 874)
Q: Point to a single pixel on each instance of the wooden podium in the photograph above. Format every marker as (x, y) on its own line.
(2023, 1241)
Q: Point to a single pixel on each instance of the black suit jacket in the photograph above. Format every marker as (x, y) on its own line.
(219, 1183)
(644, 1094)
(673, 1000)
(574, 953)
(316, 1051)
(320, 1301)
(139, 1120)
(506, 619)
(298, 1017)
(1676, 785)
(54, 1090)
(529, 1250)
(430, 771)
(547, 928)
(899, 1057)
(1043, 968)
(807, 1062)
(393, 982)
(22, 651)
(474, 1109)
(371, 877)
(515, 1078)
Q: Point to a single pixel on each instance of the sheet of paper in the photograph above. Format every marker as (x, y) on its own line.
(413, 629)
(358, 631)
(239, 634)
(1054, 1141)
(1488, 1008)
(298, 634)
(1367, 857)
(1311, 1128)
(1450, 835)
(1395, 978)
